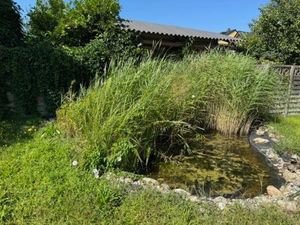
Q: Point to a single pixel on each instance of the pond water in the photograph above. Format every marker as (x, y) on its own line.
(219, 165)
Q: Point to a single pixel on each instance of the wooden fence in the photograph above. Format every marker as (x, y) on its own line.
(288, 99)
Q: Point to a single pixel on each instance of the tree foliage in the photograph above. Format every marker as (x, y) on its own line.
(74, 23)
(66, 42)
(275, 35)
(45, 17)
(11, 28)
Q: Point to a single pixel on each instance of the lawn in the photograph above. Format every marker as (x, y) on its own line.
(39, 185)
(289, 129)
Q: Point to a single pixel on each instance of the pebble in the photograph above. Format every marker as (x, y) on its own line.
(260, 132)
(150, 181)
(290, 206)
(273, 191)
(181, 192)
(261, 141)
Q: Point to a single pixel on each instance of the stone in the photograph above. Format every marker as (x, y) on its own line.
(290, 206)
(220, 202)
(194, 198)
(165, 187)
(150, 181)
(261, 141)
(290, 189)
(260, 132)
(128, 180)
(221, 205)
(292, 168)
(181, 192)
(275, 140)
(289, 176)
(294, 158)
(273, 191)
(137, 183)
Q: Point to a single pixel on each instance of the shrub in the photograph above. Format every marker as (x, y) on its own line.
(153, 109)
(38, 70)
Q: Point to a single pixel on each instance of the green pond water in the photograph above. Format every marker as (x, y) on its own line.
(219, 165)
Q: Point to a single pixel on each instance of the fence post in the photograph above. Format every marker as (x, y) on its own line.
(287, 105)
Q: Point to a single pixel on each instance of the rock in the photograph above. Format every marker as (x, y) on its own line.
(289, 176)
(279, 164)
(150, 181)
(292, 168)
(220, 202)
(128, 180)
(137, 183)
(294, 159)
(273, 191)
(194, 198)
(275, 140)
(290, 190)
(290, 206)
(165, 187)
(261, 141)
(260, 132)
(182, 192)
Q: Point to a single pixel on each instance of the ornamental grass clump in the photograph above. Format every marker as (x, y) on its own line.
(239, 91)
(146, 111)
(139, 112)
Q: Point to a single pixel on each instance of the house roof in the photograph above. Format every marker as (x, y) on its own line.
(229, 31)
(152, 28)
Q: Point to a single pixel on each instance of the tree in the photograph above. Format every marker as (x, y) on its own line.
(86, 20)
(89, 30)
(74, 23)
(275, 35)
(45, 17)
(11, 28)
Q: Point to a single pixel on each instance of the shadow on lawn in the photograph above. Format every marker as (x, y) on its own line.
(16, 130)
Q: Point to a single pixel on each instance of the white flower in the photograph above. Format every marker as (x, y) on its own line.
(119, 159)
(96, 173)
(75, 163)
(193, 96)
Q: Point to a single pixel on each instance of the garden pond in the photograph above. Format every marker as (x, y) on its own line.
(219, 165)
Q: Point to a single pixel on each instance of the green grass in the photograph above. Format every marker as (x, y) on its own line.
(289, 129)
(145, 111)
(148, 207)
(38, 185)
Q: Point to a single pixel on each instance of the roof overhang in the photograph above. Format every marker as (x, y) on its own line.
(159, 29)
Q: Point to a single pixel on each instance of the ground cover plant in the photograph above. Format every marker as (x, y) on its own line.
(39, 185)
(288, 129)
(152, 109)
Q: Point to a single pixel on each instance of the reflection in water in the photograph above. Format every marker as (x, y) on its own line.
(221, 166)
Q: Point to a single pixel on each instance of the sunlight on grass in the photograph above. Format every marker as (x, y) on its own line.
(289, 129)
(39, 185)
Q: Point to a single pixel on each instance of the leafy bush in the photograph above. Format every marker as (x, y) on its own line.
(38, 70)
(11, 27)
(275, 34)
(153, 109)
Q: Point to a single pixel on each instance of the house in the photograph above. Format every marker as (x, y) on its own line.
(234, 33)
(174, 37)
(231, 33)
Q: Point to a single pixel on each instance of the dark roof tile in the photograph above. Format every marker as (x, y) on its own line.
(174, 31)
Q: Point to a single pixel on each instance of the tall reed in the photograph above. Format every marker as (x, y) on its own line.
(151, 109)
